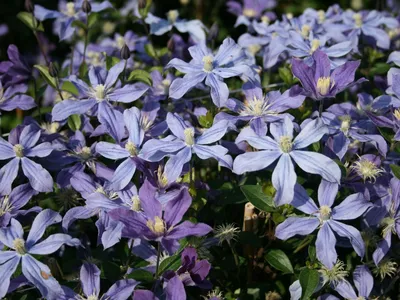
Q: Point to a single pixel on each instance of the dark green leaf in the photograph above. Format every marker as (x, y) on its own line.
(170, 263)
(44, 71)
(29, 20)
(140, 75)
(111, 61)
(141, 275)
(207, 120)
(309, 280)
(256, 196)
(93, 18)
(395, 170)
(279, 260)
(70, 88)
(74, 122)
(150, 50)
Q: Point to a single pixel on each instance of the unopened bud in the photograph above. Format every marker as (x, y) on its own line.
(125, 52)
(171, 44)
(213, 33)
(142, 4)
(86, 7)
(53, 71)
(29, 6)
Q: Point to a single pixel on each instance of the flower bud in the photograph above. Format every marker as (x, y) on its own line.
(53, 71)
(142, 4)
(86, 7)
(29, 6)
(213, 33)
(125, 52)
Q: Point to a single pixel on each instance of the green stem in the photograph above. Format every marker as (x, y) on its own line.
(151, 41)
(124, 72)
(86, 39)
(38, 100)
(158, 259)
(321, 107)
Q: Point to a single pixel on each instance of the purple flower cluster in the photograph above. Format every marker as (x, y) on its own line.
(140, 153)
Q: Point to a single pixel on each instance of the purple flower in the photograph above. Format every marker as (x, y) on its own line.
(35, 272)
(251, 9)
(363, 281)
(10, 205)
(16, 70)
(319, 82)
(156, 222)
(90, 281)
(183, 143)
(128, 151)
(284, 148)
(13, 97)
(228, 62)
(159, 26)
(326, 219)
(98, 95)
(21, 146)
(67, 13)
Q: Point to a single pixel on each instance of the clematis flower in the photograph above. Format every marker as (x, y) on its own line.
(326, 219)
(251, 9)
(13, 97)
(21, 250)
(67, 13)
(21, 146)
(182, 144)
(319, 82)
(363, 281)
(228, 62)
(90, 281)
(98, 95)
(159, 26)
(128, 151)
(10, 205)
(156, 222)
(16, 70)
(346, 125)
(284, 148)
(257, 106)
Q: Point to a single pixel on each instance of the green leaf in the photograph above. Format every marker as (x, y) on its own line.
(395, 170)
(70, 88)
(74, 122)
(141, 275)
(279, 260)
(150, 50)
(44, 71)
(29, 20)
(286, 75)
(207, 120)
(111, 61)
(256, 196)
(140, 75)
(79, 24)
(93, 18)
(309, 280)
(170, 263)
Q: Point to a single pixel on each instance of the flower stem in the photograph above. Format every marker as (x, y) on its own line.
(86, 39)
(158, 259)
(321, 107)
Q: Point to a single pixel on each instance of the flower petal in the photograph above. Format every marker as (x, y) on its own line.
(64, 109)
(39, 178)
(43, 220)
(254, 161)
(351, 233)
(284, 179)
(296, 226)
(53, 243)
(325, 245)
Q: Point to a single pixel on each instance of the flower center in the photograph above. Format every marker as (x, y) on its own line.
(336, 274)
(249, 12)
(157, 226)
(305, 30)
(289, 16)
(388, 225)
(208, 63)
(321, 16)
(255, 107)
(92, 297)
(120, 41)
(265, 20)
(346, 124)
(172, 15)
(19, 246)
(314, 45)
(358, 19)
(19, 150)
(323, 85)
(189, 136)
(1, 95)
(162, 177)
(70, 9)
(85, 153)
(325, 212)
(99, 91)
(131, 148)
(50, 127)
(366, 169)
(397, 114)
(94, 58)
(285, 143)
(253, 49)
(135, 206)
(5, 206)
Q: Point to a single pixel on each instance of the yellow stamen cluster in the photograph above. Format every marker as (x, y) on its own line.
(208, 63)
(324, 85)
(189, 136)
(5, 205)
(366, 169)
(385, 268)
(85, 153)
(253, 49)
(157, 226)
(265, 20)
(321, 16)
(1, 94)
(255, 107)
(131, 148)
(162, 178)
(19, 246)
(70, 9)
(325, 213)
(397, 114)
(334, 275)
(19, 150)
(99, 92)
(305, 30)
(346, 124)
(285, 143)
(172, 15)
(94, 58)
(249, 12)
(314, 45)
(357, 17)
(136, 203)
(120, 42)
